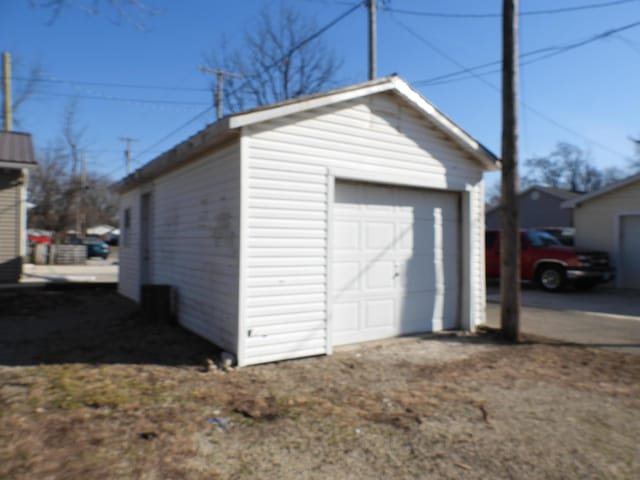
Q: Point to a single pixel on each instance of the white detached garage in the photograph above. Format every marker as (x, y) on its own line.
(337, 218)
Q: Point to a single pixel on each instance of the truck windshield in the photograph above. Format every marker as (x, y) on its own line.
(539, 238)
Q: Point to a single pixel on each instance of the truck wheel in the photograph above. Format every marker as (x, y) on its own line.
(551, 278)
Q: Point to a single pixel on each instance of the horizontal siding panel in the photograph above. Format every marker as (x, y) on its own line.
(311, 197)
(282, 171)
(276, 214)
(286, 242)
(287, 233)
(292, 308)
(286, 261)
(275, 300)
(286, 290)
(288, 204)
(291, 223)
(289, 185)
(287, 338)
(268, 281)
(284, 320)
(285, 271)
(289, 327)
(284, 252)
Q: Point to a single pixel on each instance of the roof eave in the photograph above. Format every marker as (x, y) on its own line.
(610, 188)
(205, 140)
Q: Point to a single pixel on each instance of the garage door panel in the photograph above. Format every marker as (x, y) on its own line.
(347, 235)
(346, 277)
(346, 317)
(406, 252)
(379, 235)
(380, 274)
(380, 313)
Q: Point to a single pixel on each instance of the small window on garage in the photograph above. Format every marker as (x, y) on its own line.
(126, 226)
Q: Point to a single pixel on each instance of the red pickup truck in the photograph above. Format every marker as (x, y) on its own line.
(544, 259)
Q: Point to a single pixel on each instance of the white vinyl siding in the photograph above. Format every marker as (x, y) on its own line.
(194, 239)
(598, 221)
(11, 227)
(291, 162)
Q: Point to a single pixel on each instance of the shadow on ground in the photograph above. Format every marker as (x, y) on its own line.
(67, 323)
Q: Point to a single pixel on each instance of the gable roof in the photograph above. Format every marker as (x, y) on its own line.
(609, 188)
(227, 127)
(16, 150)
(558, 193)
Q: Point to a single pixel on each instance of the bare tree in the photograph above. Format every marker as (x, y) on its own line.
(63, 198)
(568, 167)
(278, 59)
(132, 12)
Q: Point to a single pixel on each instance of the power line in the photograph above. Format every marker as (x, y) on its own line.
(310, 38)
(551, 11)
(119, 99)
(111, 85)
(299, 45)
(165, 137)
(552, 51)
(497, 89)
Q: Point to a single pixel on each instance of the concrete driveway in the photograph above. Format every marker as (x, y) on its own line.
(606, 318)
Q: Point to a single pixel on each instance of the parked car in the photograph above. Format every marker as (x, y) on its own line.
(545, 260)
(96, 247)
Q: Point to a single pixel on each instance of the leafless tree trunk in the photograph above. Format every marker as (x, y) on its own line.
(274, 61)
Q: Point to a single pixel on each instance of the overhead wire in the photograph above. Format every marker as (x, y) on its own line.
(539, 55)
(296, 47)
(497, 89)
(524, 13)
(112, 85)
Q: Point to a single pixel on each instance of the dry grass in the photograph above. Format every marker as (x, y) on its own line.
(96, 394)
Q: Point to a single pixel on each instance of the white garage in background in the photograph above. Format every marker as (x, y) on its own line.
(341, 217)
(609, 220)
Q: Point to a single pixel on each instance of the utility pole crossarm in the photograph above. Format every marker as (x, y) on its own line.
(220, 74)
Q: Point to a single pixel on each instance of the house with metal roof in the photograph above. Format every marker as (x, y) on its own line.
(16, 158)
(341, 217)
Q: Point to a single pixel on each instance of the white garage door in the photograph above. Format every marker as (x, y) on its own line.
(629, 264)
(395, 261)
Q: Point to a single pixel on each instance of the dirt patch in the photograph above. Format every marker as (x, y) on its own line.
(88, 391)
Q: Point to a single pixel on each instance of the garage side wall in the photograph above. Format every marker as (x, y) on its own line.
(290, 161)
(194, 241)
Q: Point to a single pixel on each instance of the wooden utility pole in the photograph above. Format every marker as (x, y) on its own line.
(127, 151)
(510, 235)
(220, 74)
(6, 76)
(372, 40)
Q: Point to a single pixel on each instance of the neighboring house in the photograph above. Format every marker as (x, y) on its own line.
(538, 207)
(609, 220)
(16, 157)
(341, 217)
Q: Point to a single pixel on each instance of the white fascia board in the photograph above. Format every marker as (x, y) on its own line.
(17, 165)
(589, 196)
(456, 133)
(294, 107)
